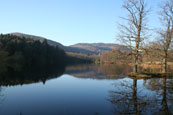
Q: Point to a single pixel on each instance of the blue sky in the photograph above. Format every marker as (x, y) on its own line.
(67, 21)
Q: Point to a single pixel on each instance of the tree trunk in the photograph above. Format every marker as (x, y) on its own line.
(135, 68)
(165, 63)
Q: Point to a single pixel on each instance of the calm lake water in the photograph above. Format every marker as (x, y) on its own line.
(86, 90)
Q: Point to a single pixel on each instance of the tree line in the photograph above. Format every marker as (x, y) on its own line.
(20, 54)
(17, 52)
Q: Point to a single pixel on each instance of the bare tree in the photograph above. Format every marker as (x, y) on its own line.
(166, 33)
(133, 33)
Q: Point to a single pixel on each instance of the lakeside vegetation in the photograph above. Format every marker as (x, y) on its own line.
(134, 33)
(77, 58)
(24, 53)
(24, 60)
(17, 53)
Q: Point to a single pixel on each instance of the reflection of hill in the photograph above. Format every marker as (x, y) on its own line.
(11, 78)
(99, 71)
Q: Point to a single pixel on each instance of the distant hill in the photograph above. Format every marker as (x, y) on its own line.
(83, 48)
(99, 47)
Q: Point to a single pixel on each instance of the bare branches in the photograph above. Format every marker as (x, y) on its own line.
(134, 30)
(166, 16)
(166, 33)
(133, 33)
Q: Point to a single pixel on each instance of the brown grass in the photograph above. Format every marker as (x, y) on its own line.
(149, 75)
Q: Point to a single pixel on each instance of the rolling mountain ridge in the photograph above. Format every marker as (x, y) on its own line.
(99, 47)
(84, 48)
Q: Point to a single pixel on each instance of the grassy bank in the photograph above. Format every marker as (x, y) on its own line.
(149, 75)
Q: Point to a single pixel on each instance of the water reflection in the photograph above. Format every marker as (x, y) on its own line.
(12, 77)
(164, 89)
(131, 98)
(99, 71)
(83, 89)
(125, 99)
(1, 95)
(164, 108)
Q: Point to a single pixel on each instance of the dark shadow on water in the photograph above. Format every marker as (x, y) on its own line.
(11, 77)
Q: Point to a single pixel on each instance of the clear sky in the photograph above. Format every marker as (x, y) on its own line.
(67, 21)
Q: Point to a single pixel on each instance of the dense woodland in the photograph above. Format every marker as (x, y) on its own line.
(18, 54)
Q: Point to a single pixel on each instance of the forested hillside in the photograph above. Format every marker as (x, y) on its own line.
(17, 53)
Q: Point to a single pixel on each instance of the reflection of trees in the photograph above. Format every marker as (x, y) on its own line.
(2, 98)
(11, 77)
(164, 104)
(116, 69)
(134, 97)
(99, 71)
(127, 98)
(164, 89)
